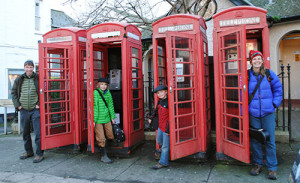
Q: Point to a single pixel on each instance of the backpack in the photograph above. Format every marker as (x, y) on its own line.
(118, 133)
(268, 75)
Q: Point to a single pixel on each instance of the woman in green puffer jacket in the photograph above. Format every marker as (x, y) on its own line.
(104, 115)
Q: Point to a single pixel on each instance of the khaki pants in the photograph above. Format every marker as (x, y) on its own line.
(103, 131)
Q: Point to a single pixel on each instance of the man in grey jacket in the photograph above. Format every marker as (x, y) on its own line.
(25, 96)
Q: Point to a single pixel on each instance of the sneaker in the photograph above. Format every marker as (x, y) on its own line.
(158, 166)
(26, 155)
(38, 159)
(272, 175)
(256, 170)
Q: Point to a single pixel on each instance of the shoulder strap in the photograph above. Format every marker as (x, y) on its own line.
(268, 75)
(254, 91)
(248, 75)
(103, 99)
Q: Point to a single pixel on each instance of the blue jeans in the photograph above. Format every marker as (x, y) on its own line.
(163, 139)
(25, 122)
(268, 124)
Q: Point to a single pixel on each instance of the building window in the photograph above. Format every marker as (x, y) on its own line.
(12, 75)
(37, 16)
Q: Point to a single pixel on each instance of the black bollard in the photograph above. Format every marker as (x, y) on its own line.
(283, 104)
(289, 102)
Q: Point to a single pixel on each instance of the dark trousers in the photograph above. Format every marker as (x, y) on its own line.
(25, 122)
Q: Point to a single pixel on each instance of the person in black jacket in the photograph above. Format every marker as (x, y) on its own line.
(163, 136)
(25, 96)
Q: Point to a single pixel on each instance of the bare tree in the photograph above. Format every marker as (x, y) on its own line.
(141, 13)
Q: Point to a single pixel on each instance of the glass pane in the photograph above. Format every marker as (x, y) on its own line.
(55, 74)
(231, 81)
(97, 55)
(134, 52)
(232, 108)
(230, 40)
(159, 50)
(136, 114)
(135, 62)
(136, 125)
(233, 122)
(97, 75)
(185, 135)
(135, 83)
(186, 121)
(232, 95)
(184, 69)
(97, 64)
(185, 108)
(232, 136)
(184, 95)
(56, 63)
(182, 56)
(231, 67)
(57, 107)
(56, 85)
(161, 72)
(57, 96)
(231, 54)
(135, 73)
(135, 93)
(184, 82)
(136, 104)
(181, 42)
(160, 61)
(56, 129)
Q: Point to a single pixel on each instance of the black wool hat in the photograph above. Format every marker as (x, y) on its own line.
(104, 80)
(160, 87)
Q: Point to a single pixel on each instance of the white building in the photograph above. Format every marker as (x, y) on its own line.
(22, 24)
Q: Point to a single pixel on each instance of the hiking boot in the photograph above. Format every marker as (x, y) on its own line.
(26, 155)
(158, 166)
(272, 175)
(38, 159)
(256, 170)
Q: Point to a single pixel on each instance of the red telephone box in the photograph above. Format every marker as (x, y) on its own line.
(236, 31)
(180, 61)
(62, 73)
(115, 49)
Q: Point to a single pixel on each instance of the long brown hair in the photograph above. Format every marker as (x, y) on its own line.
(262, 70)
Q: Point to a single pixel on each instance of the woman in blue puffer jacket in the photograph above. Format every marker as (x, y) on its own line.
(262, 113)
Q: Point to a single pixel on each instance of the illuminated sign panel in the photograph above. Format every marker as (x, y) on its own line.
(176, 28)
(59, 39)
(133, 36)
(252, 20)
(106, 34)
(82, 39)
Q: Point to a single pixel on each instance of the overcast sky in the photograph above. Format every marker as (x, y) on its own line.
(79, 7)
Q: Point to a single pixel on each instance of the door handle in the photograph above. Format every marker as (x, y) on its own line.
(170, 89)
(244, 87)
(41, 90)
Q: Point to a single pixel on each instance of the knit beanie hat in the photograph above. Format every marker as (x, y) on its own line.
(253, 54)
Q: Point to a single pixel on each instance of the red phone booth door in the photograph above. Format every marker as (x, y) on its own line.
(135, 107)
(55, 95)
(83, 95)
(234, 94)
(95, 70)
(184, 126)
